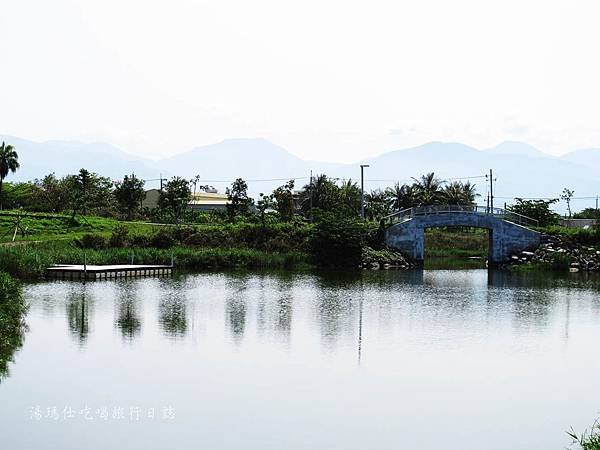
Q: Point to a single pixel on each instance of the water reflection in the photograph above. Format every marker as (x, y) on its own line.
(235, 307)
(172, 310)
(127, 312)
(436, 349)
(12, 331)
(78, 314)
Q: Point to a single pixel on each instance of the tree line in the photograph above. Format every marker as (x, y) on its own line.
(88, 193)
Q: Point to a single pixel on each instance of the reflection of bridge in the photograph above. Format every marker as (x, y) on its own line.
(508, 233)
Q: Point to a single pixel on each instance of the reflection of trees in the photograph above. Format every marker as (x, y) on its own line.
(236, 316)
(274, 308)
(235, 306)
(172, 316)
(12, 328)
(284, 317)
(78, 312)
(128, 320)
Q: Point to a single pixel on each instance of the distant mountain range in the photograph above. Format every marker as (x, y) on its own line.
(519, 168)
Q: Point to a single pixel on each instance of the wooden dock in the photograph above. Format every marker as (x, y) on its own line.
(89, 272)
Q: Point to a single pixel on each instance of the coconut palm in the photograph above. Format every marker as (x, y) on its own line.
(402, 196)
(313, 194)
(9, 162)
(458, 193)
(376, 204)
(349, 197)
(469, 193)
(429, 189)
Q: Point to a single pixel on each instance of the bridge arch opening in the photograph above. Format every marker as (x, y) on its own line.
(456, 247)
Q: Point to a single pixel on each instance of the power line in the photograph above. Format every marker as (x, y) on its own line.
(544, 198)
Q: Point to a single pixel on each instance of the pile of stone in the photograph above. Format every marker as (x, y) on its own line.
(386, 258)
(555, 248)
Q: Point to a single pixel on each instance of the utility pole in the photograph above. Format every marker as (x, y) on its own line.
(161, 179)
(596, 203)
(491, 192)
(362, 190)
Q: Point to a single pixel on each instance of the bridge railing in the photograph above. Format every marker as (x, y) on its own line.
(500, 213)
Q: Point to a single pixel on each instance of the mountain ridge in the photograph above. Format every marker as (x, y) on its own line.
(518, 173)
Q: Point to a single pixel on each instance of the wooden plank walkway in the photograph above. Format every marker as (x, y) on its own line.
(89, 272)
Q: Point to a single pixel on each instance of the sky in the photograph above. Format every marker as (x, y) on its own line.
(326, 79)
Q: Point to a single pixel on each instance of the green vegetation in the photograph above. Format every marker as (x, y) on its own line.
(49, 226)
(536, 209)
(456, 248)
(559, 263)
(317, 223)
(457, 243)
(581, 236)
(588, 213)
(9, 162)
(30, 262)
(588, 440)
(338, 240)
(12, 323)
(129, 195)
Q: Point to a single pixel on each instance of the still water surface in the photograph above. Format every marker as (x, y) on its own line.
(372, 360)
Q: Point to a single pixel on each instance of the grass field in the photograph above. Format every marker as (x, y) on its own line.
(448, 243)
(46, 227)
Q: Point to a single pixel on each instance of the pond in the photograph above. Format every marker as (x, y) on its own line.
(434, 359)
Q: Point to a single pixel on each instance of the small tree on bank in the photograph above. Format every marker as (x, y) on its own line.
(9, 163)
(87, 191)
(239, 202)
(536, 209)
(129, 195)
(175, 197)
(284, 201)
(567, 195)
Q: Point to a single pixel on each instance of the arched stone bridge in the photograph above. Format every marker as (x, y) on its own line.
(508, 231)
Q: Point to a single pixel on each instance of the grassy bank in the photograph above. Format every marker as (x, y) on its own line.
(30, 262)
(12, 322)
(47, 226)
(330, 241)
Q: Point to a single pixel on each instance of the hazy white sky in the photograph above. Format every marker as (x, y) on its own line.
(327, 79)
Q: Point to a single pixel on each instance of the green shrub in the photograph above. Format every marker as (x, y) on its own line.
(584, 236)
(337, 240)
(162, 239)
(139, 241)
(92, 241)
(560, 262)
(182, 233)
(119, 237)
(9, 287)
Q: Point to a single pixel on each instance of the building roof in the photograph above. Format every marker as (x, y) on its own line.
(209, 198)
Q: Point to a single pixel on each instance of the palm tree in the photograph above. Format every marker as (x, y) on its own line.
(429, 189)
(313, 193)
(9, 162)
(376, 204)
(469, 193)
(402, 196)
(349, 196)
(458, 193)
